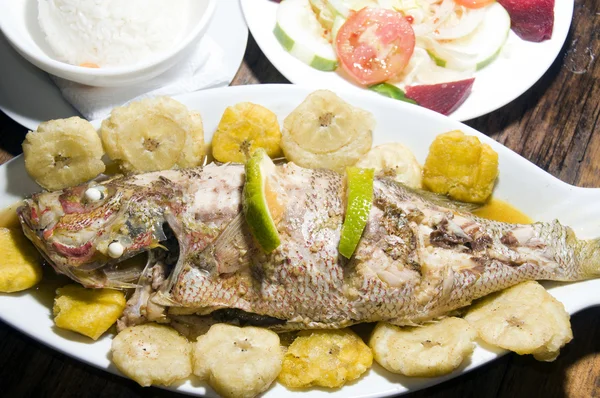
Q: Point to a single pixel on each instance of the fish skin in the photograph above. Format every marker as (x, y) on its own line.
(416, 261)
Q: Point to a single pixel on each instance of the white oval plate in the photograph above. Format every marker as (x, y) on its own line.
(518, 67)
(521, 183)
(28, 95)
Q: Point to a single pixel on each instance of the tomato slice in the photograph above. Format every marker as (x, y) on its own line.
(474, 3)
(375, 44)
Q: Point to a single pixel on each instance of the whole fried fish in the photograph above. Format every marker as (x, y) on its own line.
(419, 258)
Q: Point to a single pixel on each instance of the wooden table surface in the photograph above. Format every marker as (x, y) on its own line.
(556, 125)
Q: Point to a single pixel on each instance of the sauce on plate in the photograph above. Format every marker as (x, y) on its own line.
(499, 210)
(8, 216)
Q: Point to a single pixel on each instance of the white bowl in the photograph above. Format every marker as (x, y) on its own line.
(18, 22)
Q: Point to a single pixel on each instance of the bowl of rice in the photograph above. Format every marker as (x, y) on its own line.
(106, 43)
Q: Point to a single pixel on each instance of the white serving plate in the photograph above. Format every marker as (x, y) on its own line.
(28, 95)
(521, 183)
(516, 69)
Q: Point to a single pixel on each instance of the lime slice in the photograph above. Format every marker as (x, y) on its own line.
(360, 198)
(259, 200)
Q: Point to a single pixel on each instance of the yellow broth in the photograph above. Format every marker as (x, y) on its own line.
(8, 216)
(499, 210)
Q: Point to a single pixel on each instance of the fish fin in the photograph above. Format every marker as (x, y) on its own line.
(96, 279)
(233, 246)
(442, 200)
(164, 299)
(113, 284)
(587, 253)
(447, 284)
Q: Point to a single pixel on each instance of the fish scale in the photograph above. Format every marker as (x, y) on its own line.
(419, 258)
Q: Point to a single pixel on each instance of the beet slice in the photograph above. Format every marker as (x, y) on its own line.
(531, 20)
(443, 98)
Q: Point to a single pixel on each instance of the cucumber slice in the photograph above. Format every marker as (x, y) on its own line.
(391, 91)
(480, 47)
(337, 24)
(324, 14)
(301, 35)
(438, 61)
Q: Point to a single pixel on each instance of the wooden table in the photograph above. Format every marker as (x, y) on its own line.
(556, 125)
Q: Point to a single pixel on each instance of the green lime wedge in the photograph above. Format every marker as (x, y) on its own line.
(360, 199)
(256, 197)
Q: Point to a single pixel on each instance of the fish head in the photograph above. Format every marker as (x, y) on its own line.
(89, 231)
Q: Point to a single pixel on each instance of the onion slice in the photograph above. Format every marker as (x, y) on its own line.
(456, 27)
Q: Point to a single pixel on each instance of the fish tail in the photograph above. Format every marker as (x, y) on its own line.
(587, 253)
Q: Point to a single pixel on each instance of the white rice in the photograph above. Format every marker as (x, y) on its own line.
(112, 33)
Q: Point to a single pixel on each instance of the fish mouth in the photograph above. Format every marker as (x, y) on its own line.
(126, 272)
(31, 230)
(99, 271)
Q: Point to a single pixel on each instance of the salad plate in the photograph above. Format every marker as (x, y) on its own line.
(521, 183)
(28, 95)
(516, 68)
